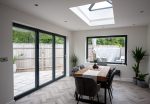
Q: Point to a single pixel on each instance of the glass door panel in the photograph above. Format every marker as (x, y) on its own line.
(23, 60)
(59, 56)
(45, 58)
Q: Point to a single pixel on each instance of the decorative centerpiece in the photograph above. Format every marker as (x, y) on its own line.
(95, 66)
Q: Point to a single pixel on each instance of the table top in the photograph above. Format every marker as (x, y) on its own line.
(100, 73)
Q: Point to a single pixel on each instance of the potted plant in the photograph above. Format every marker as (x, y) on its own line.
(14, 61)
(141, 80)
(135, 68)
(138, 55)
(74, 60)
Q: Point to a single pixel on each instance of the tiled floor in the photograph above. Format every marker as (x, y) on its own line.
(62, 92)
(24, 81)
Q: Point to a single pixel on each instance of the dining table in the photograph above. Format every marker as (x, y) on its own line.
(99, 74)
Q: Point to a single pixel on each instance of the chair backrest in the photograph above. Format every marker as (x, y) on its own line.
(82, 66)
(111, 78)
(110, 72)
(75, 69)
(86, 86)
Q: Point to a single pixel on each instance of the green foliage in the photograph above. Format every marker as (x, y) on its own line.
(74, 60)
(44, 38)
(118, 41)
(141, 77)
(26, 36)
(23, 37)
(59, 40)
(138, 55)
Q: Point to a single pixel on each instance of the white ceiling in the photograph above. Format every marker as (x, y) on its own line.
(126, 12)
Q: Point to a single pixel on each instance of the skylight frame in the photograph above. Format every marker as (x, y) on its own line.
(92, 5)
(96, 17)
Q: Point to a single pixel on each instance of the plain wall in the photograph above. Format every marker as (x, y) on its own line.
(148, 57)
(137, 36)
(148, 48)
(8, 16)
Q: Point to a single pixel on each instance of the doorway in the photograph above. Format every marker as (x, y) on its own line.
(39, 58)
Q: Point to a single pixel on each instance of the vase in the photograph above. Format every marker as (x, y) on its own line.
(95, 66)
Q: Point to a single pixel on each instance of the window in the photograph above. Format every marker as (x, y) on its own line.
(109, 49)
(100, 13)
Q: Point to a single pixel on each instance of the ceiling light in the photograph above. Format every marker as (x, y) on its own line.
(36, 4)
(141, 11)
(65, 21)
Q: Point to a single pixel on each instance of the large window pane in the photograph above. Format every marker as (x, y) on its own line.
(59, 56)
(107, 49)
(45, 58)
(24, 60)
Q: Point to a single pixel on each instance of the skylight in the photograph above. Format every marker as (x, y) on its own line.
(100, 13)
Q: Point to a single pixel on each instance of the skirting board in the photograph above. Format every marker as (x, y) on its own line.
(123, 79)
(11, 102)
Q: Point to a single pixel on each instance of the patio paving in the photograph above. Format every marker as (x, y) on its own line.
(24, 81)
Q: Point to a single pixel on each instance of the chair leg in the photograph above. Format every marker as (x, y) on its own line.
(111, 92)
(111, 87)
(76, 95)
(97, 97)
(91, 99)
(110, 95)
(78, 99)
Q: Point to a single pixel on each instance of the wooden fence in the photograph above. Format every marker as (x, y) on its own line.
(25, 56)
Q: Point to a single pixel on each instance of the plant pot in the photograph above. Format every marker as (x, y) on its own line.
(14, 68)
(142, 84)
(135, 80)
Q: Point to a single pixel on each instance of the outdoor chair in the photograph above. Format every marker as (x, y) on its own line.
(102, 63)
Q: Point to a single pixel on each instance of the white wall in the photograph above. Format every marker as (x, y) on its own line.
(148, 48)
(148, 57)
(9, 15)
(137, 36)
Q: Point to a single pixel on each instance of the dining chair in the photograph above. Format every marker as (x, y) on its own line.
(86, 87)
(75, 69)
(81, 66)
(108, 83)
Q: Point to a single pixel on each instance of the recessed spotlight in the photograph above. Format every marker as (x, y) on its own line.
(142, 11)
(133, 24)
(36, 4)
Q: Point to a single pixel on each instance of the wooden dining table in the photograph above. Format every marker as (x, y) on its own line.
(100, 75)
